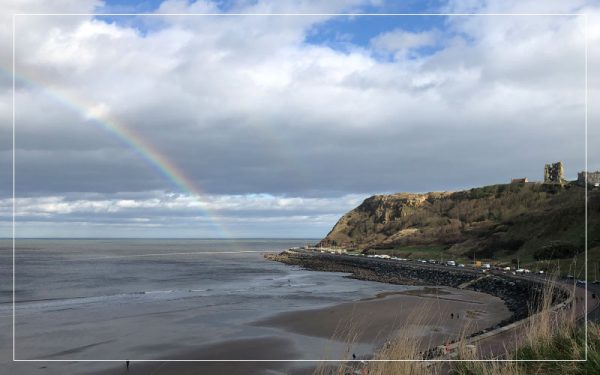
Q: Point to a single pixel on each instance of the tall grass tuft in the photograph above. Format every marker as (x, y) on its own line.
(546, 335)
(405, 346)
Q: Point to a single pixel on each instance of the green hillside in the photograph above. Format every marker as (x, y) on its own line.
(529, 223)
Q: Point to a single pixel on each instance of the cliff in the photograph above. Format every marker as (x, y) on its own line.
(543, 221)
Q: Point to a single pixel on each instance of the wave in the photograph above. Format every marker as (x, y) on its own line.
(158, 291)
(79, 300)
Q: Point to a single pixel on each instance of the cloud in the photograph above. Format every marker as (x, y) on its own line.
(177, 204)
(244, 215)
(401, 42)
(246, 108)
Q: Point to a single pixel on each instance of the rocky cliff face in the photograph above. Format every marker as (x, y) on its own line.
(488, 221)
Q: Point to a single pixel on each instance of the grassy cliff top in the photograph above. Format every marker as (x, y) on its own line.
(531, 222)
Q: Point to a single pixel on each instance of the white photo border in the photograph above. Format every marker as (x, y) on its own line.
(585, 16)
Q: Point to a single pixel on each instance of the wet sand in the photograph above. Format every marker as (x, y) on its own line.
(424, 313)
(257, 349)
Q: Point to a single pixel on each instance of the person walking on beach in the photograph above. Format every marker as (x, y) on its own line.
(127, 365)
(451, 315)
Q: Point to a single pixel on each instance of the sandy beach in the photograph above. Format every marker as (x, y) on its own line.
(256, 349)
(424, 313)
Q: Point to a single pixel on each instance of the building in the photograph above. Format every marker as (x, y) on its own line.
(593, 178)
(554, 173)
(519, 180)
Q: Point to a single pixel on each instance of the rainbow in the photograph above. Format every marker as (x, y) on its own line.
(134, 141)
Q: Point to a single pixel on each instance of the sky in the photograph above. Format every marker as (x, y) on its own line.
(229, 126)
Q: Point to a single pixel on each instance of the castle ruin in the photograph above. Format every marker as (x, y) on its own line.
(554, 173)
(593, 178)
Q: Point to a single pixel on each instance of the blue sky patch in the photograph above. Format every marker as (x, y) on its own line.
(344, 33)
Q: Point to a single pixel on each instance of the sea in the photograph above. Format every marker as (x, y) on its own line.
(143, 299)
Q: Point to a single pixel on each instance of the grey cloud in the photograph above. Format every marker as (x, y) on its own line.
(175, 211)
(244, 106)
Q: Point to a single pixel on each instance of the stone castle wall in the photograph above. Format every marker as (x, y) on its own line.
(593, 178)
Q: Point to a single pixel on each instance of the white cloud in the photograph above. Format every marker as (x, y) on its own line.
(252, 113)
(179, 204)
(401, 42)
(175, 215)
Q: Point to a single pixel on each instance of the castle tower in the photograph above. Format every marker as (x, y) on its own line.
(554, 173)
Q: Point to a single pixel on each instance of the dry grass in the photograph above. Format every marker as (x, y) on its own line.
(348, 333)
(406, 346)
(547, 334)
(406, 349)
(544, 323)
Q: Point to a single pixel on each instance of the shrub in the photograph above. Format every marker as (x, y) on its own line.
(557, 250)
